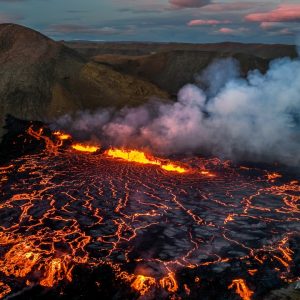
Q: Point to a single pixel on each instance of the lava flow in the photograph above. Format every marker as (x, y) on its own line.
(85, 148)
(142, 158)
(78, 222)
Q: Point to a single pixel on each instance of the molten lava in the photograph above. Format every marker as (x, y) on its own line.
(85, 148)
(4, 289)
(143, 158)
(62, 136)
(169, 283)
(142, 284)
(241, 289)
(64, 216)
(133, 156)
(173, 168)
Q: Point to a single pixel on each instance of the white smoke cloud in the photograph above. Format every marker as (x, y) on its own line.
(254, 118)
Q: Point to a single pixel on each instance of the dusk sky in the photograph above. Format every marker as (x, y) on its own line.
(197, 21)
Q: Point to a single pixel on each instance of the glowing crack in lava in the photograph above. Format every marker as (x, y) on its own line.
(142, 158)
(74, 224)
(241, 289)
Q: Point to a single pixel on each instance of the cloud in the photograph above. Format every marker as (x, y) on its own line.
(200, 22)
(81, 29)
(270, 25)
(188, 3)
(283, 13)
(226, 30)
(231, 31)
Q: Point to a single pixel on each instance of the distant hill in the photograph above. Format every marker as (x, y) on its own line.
(266, 51)
(172, 65)
(41, 79)
(171, 70)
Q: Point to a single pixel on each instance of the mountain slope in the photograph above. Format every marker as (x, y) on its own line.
(41, 79)
(171, 70)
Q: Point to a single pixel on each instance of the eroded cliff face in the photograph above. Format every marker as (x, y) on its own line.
(41, 79)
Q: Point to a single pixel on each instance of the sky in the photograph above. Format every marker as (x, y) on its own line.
(192, 21)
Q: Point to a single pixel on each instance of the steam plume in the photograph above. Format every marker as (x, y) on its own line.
(254, 118)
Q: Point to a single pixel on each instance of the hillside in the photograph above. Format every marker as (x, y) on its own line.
(173, 69)
(41, 79)
(266, 51)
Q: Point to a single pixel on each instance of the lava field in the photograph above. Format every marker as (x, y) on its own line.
(85, 224)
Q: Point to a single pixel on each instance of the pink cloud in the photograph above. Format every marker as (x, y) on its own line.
(188, 3)
(283, 13)
(207, 22)
(226, 30)
(269, 25)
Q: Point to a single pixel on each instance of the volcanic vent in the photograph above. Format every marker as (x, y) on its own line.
(81, 222)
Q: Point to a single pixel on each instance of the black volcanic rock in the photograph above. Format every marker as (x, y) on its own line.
(41, 79)
(17, 142)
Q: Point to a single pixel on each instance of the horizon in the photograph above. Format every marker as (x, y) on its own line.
(152, 42)
(159, 21)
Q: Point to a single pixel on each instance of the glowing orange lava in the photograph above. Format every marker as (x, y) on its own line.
(173, 168)
(85, 148)
(273, 176)
(19, 260)
(142, 284)
(57, 270)
(4, 289)
(241, 289)
(207, 173)
(62, 136)
(143, 158)
(169, 283)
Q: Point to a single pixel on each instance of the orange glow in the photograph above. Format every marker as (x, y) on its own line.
(241, 289)
(169, 283)
(133, 156)
(51, 146)
(56, 271)
(273, 176)
(19, 260)
(62, 136)
(187, 289)
(143, 158)
(4, 290)
(142, 284)
(207, 173)
(252, 272)
(173, 168)
(85, 148)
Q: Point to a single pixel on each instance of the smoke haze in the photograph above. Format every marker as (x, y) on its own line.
(255, 118)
